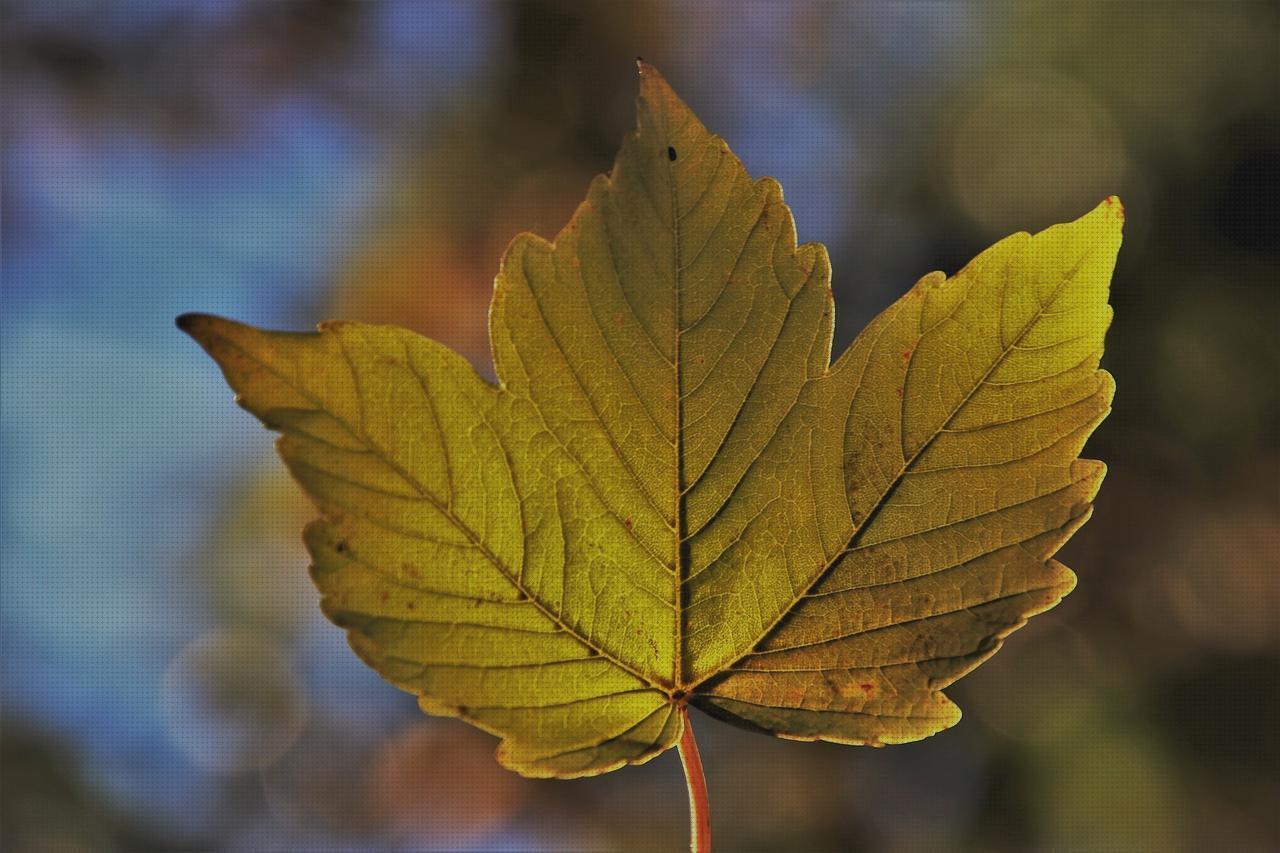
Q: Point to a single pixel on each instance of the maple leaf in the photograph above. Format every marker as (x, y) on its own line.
(673, 497)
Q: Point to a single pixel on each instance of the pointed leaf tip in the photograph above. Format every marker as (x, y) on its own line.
(661, 109)
(1108, 211)
(198, 325)
(1113, 204)
(653, 84)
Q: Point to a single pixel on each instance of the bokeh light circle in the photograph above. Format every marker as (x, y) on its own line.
(232, 702)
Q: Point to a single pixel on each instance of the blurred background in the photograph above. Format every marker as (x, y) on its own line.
(166, 680)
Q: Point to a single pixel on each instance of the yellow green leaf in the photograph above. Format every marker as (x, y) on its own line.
(673, 496)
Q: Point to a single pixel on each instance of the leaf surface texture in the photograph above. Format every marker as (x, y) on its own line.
(673, 495)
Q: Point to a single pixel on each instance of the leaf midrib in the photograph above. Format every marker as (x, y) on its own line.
(680, 546)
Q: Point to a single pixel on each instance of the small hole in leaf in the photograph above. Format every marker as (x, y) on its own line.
(671, 154)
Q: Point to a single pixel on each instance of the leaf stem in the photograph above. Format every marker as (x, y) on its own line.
(699, 806)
